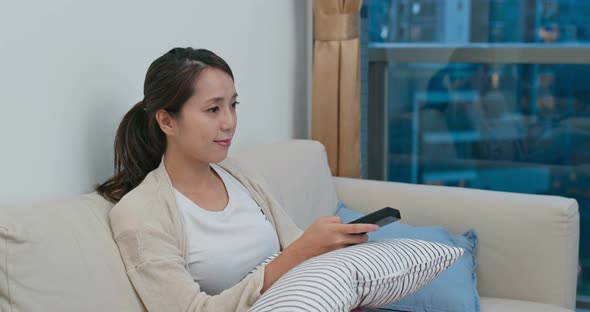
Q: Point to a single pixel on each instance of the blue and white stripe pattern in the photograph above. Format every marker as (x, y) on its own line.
(372, 274)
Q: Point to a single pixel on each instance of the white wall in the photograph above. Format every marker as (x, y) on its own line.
(70, 70)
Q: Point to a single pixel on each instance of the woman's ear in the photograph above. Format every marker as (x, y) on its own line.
(166, 122)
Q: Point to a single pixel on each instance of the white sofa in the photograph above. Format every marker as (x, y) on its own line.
(60, 255)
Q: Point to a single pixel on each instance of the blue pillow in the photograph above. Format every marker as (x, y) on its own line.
(454, 290)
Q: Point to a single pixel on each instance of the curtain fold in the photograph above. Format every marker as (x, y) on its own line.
(336, 84)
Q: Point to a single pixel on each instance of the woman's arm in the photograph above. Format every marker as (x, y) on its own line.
(326, 234)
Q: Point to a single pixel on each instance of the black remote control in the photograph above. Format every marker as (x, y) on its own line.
(380, 217)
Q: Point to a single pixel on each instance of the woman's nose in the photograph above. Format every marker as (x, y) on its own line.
(228, 120)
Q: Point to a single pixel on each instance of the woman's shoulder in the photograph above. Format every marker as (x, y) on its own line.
(145, 204)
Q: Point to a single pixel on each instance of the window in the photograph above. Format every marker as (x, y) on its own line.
(482, 94)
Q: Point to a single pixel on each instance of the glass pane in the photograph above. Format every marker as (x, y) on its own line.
(507, 127)
(462, 21)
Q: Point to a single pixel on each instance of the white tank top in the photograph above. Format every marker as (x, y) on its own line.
(224, 246)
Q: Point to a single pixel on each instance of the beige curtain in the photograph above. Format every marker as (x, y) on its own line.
(336, 84)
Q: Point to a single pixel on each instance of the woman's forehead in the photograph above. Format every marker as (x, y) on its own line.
(213, 82)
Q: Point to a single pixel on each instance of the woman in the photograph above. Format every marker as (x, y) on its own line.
(188, 227)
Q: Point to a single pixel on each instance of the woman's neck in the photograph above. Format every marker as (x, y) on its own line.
(187, 174)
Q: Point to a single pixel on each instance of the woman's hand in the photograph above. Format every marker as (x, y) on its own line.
(329, 233)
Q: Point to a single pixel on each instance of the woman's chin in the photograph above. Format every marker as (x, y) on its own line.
(219, 157)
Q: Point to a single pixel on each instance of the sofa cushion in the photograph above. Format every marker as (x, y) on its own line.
(297, 174)
(372, 274)
(60, 256)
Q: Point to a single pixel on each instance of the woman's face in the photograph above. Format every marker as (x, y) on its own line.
(207, 121)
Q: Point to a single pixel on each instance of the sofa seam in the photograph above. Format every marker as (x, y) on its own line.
(104, 225)
(9, 293)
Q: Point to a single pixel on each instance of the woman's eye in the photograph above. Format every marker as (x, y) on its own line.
(213, 109)
(234, 104)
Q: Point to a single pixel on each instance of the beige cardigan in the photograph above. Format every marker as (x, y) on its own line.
(149, 230)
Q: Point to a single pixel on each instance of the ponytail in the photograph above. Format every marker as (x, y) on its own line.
(139, 146)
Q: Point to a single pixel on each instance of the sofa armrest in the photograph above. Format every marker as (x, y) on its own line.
(528, 244)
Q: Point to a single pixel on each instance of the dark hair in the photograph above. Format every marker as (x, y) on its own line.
(139, 142)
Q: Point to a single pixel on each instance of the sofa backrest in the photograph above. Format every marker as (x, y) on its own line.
(298, 175)
(60, 255)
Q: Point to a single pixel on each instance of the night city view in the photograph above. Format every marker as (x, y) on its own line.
(496, 126)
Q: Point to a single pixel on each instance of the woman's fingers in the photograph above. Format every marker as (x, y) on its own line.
(329, 233)
(359, 228)
(358, 239)
(329, 219)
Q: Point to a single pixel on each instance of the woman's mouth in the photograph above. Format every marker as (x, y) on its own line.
(224, 143)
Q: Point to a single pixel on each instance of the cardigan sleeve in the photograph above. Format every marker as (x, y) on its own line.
(156, 268)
